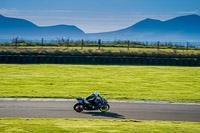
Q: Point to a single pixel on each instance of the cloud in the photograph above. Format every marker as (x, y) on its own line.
(189, 12)
(58, 11)
(9, 11)
(17, 12)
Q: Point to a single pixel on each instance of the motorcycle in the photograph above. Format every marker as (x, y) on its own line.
(101, 104)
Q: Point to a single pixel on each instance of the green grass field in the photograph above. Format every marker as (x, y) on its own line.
(17, 125)
(113, 82)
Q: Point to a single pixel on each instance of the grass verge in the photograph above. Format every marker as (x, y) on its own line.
(91, 126)
(113, 82)
(107, 51)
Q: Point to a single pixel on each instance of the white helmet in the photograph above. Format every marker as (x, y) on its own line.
(96, 93)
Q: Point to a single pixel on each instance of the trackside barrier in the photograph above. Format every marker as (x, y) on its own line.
(56, 59)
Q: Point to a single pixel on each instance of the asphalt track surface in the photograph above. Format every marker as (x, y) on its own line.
(64, 109)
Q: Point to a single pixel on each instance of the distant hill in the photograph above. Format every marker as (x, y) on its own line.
(13, 27)
(184, 28)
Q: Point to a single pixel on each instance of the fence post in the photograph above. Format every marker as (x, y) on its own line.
(62, 42)
(67, 42)
(99, 44)
(42, 40)
(82, 43)
(187, 46)
(158, 45)
(15, 41)
(128, 44)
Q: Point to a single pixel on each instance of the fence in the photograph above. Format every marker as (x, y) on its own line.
(47, 59)
(101, 44)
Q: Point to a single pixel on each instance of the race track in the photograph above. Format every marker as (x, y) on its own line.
(139, 111)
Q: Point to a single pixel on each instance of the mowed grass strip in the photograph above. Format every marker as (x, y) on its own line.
(16, 125)
(112, 81)
(104, 51)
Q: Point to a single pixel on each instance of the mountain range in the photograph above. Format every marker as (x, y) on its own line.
(13, 27)
(183, 28)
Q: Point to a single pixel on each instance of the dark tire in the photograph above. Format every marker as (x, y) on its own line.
(78, 107)
(104, 109)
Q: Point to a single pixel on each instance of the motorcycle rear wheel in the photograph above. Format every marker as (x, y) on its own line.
(78, 107)
(104, 109)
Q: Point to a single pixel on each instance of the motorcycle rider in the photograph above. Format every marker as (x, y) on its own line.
(91, 99)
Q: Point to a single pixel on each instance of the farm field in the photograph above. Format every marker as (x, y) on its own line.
(91, 125)
(110, 49)
(105, 49)
(112, 81)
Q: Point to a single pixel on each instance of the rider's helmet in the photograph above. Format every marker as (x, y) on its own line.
(96, 93)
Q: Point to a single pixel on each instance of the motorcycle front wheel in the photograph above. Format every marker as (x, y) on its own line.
(105, 108)
(78, 107)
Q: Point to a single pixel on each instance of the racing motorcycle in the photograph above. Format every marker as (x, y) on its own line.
(101, 104)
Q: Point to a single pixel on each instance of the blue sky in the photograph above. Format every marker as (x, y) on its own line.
(97, 15)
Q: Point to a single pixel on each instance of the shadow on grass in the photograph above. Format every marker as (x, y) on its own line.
(105, 114)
